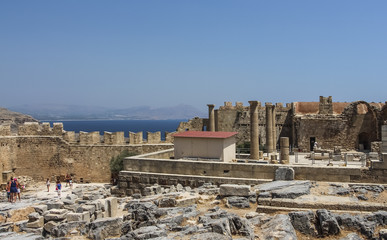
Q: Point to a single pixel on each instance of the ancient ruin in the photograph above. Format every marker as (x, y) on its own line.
(322, 165)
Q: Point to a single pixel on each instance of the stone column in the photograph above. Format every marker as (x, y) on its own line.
(284, 141)
(254, 130)
(274, 130)
(211, 117)
(269, 127)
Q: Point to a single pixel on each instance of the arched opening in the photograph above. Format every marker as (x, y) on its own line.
(364, 141)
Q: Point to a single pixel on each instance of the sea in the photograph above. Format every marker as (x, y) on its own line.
(125, 126)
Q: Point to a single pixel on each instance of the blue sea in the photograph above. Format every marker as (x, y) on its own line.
(125, 126)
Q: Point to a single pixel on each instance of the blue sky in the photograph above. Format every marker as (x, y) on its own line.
(164, 53)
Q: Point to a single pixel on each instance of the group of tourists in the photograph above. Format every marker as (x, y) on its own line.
(58, 185)
(13, 190)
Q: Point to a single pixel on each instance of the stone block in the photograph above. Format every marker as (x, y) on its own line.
(50, 225)
(38, 223)
(88, 208)
(105, 227)
(112, 206)
(74, 217)
(284, 173)
(55, 205)
(336, 158)
(55, 215)
(86, 217)
(234, 190)
(40, 209)
(98, 214)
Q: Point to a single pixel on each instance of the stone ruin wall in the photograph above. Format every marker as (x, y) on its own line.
(236, 118)
(40, 151)
(331, 123)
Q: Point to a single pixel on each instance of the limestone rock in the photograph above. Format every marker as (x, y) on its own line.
(105, 227)
(239, 202)
(279, 227)
(383, 234)
(209, 236)
(167, 202)
(351, 236)
(147, 233)
(40, 209)
(327, 222)
(234, 190)
(304, 221)
(64, 229)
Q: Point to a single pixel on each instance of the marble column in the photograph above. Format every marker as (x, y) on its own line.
(254, 130)
(274, 130)
(269, 127)
(211, 117)
(284, 141)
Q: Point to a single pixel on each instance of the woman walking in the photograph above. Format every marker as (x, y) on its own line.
(13, 190)
(48, 184)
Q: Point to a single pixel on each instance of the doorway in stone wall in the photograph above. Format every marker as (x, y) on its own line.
(364, 140)
(311, 142)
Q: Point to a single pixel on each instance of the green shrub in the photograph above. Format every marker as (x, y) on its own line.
(117, 163)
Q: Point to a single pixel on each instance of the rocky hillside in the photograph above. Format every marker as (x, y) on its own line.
(14, 119)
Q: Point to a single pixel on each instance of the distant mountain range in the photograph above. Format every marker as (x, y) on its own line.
(74, 112)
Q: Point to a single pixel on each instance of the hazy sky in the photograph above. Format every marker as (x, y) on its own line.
(163, 53)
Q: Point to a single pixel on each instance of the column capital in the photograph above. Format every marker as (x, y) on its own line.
(211, 105)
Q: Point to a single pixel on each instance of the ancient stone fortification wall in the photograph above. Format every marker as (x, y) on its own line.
(40, 151)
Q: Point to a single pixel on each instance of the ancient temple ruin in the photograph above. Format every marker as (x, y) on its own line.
(349, 125)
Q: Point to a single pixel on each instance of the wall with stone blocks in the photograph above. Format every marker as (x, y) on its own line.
(45, 156)
(133, 182)
(153, 137)
(36, 129)
(114, 138)
(384, 138)
(254, 171)
(5, 130)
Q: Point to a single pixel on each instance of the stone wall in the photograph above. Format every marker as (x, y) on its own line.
(40, 151)
(350, 125)
(140, 172)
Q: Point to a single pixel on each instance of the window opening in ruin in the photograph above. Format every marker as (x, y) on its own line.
(312, 141)
(204, 128)
(226, 171)
(364, 141)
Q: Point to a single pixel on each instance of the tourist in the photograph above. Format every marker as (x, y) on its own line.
(13, 189)
(71, 183)
(18, 190)
(67, 179)
(48, 184)
(58, 188)
(8, 189)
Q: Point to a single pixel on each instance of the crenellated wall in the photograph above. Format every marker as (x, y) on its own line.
(39, 151)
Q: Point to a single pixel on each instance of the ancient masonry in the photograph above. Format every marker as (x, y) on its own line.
(349, 126)
(39, 151)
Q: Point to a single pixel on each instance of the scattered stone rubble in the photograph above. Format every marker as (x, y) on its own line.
(177, 212)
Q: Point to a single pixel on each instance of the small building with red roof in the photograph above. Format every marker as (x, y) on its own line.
(200, 145)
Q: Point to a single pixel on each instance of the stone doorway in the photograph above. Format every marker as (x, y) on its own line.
(364, 141)
(311, 142)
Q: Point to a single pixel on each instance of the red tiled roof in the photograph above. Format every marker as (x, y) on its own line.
(201, 134)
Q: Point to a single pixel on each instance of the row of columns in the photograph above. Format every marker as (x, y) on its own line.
(271, 135)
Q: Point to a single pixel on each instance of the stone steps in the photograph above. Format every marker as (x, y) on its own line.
(270, 209)
(346, 206)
